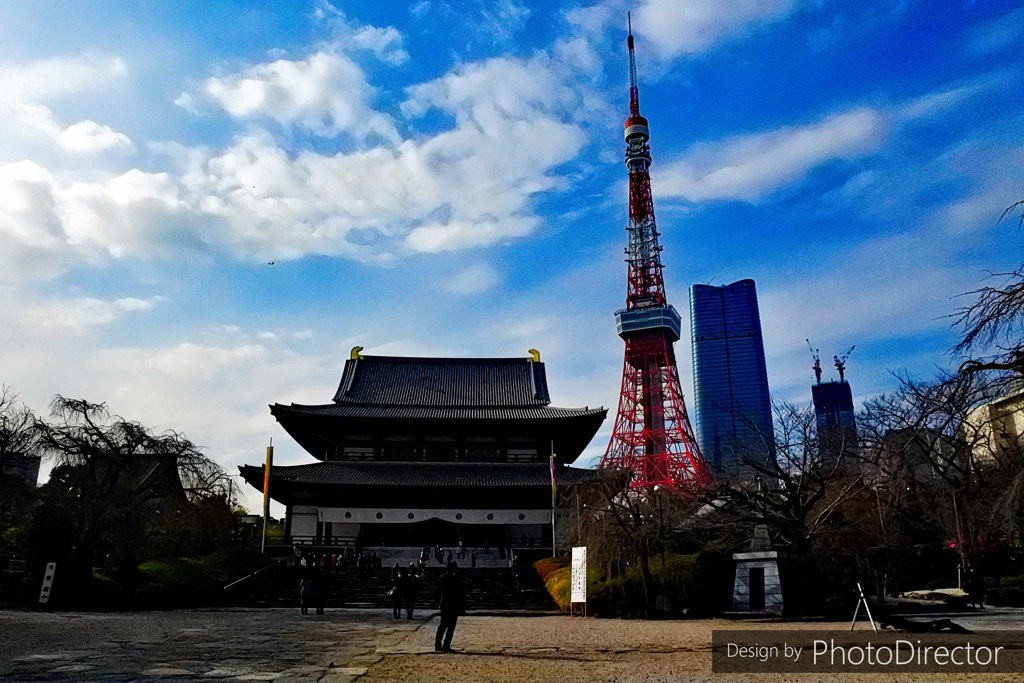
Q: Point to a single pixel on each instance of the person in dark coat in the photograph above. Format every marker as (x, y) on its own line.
(975, 588)
(322, 587)
(452, 603)
(307, 594)
(399, 583)
(412, 589)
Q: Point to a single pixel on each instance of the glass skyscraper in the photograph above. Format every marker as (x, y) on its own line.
(730, 380)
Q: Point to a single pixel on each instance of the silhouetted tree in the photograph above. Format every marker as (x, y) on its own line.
(17, 436)
(117, 485)
(798, 492)
(939, 475)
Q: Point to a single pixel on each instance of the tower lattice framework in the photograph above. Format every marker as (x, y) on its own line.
(653, 438)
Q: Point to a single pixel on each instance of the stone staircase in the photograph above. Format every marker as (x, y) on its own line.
(487, 588)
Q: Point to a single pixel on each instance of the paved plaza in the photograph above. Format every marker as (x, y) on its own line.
(368, 645)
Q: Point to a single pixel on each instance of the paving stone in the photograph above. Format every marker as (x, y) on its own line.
(167, 671)
(225, 673)
(72, 668)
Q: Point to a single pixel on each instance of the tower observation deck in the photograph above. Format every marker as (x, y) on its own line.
(652, 438)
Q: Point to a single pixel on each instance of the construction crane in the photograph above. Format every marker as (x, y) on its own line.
(840, 362)
(817, 361)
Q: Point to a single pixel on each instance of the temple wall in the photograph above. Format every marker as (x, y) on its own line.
(407, 515)
(303, 521)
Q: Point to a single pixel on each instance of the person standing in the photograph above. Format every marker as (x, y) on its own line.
(307, 592)
(322, 587)
(412, 589)
(398, 589)
(452, 604)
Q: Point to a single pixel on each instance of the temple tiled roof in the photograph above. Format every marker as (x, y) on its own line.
(443, 382)
(537, 412)
(416, 474)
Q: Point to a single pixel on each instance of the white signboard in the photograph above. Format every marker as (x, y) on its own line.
(578, 583)
(44, 594)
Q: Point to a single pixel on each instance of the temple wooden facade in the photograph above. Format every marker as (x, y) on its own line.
(425, 451)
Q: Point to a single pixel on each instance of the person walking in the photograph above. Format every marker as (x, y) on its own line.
(452, 604)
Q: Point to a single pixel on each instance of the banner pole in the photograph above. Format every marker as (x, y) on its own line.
(554, 552)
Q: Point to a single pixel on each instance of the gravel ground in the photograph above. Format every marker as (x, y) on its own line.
(345, 645)
(562, 648)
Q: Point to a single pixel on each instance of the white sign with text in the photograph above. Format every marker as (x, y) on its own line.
(578, 583)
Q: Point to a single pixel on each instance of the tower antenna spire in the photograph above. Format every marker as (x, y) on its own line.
(653, 439)
(634, 92)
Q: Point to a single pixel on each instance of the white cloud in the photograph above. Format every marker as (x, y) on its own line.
(465, 187)
(672, 28)
(750, 167)
(89, 136)
(1001, 33)
(28, 210)
(132, 214)
(386, 43)
(57, 77)
(686, 28)
(420, 9)
(473, 279)
(186, 102)
(82, 137)
(993, 170)
(23, 87)
(946, 100)
(76, 315)
(326, 93)
(503, 20)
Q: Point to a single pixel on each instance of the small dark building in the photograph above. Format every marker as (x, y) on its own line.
(23, 467)
(424, 451)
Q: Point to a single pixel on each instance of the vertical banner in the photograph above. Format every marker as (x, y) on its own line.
(578, 582)
(44, 593)
(266, 480)
(266, 493)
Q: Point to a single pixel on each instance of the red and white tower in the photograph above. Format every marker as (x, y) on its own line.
(653, 438)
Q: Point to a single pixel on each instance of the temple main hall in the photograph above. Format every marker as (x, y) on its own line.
(429, 451)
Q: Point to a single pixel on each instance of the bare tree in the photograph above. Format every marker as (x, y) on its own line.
(796, 493)
(937, 467)
(628, 526)
(115, 479)
(994, 320)
(17, 436)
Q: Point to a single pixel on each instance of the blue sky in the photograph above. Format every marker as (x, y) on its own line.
(446, 179)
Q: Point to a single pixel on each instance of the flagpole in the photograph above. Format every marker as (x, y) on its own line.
(553, 488)
(266, 493)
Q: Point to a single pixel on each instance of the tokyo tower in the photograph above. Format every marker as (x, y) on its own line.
(653, 438)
